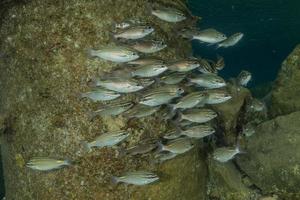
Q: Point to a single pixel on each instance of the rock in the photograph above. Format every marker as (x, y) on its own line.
(286, 91)
(273, 154)
(44, 69)
(226, 183)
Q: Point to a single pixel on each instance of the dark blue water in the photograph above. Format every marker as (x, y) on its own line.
(271, 28)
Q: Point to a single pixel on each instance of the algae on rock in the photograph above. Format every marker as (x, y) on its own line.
(45, 67)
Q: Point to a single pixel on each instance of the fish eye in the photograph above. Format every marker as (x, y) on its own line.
(149, 27)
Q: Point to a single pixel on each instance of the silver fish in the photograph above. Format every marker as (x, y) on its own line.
(140, 149)
(136, 178)
(114, 53)
(177, 146)
(209, 81)
(134, 32)
(199, 115)
(216, 96)
(159, 96)
(173, 78)
(106, 140)
(100, 94)
(184, 65)
(120, 85)
(231, 41)
(168, 14)
(248, 130)
(199, 131)
(224, 154)
(148, 46)
(147, 71)
(164, 156)
(113, 109)
(244, 77)
(140, 111)
(190, 100)
(205, 67)
(210, 35)
(47, 164)
(256, 105)
(146, 61)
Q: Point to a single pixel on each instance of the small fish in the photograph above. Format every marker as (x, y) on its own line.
(184, 65)
(100, 94)
(168, 14)
(244, 77)
(231, 41)
(134, 32)
(173, 78)
(136, 178)
(159, 96)
(205, 67)
(216, 96)
(256, 105)
(177, 146)
(113, 109)
(190, 100)
(209, 81)
(210, 36)
(248, 130)
(140, 149)
(199, 131)
(148, 46)
(106, 140)
(140, 111)
(147, 71)
(224, 154)
(220, 64)
(164, 156)
(115, 53)
(47, 164)
(146, 61)
(122, 85)
(198, 115)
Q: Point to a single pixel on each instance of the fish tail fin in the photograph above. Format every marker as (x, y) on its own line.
(114, 180)
(217, 46)
(122, 151)
(160, 146)
(86, 146)
(91, 115)
(91, 53)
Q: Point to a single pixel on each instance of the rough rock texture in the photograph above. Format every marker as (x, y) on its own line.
(44, 68)
(286, 92)
(273, 154)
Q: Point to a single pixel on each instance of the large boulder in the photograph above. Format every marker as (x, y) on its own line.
(286, 91)
(44, 68)
(273, 154)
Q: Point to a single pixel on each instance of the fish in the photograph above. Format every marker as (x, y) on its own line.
(198, 115)
(164, 156)
(160, 96)
(140, 149)
(244, 77)
(146, 61)
(199, 131)
(168, 14)
(148, 46)
(224, 154)
(147, 71)
(248, 130)
(107, 139)
(172, 78)
(47, 164)
(178, 146)
(184, 65)
(140, 111)
(220, 64)
(122, 85)
(134, 32)
(136, 178)
(209, 81)
(112, 109)
(119, 54)
(256, 105)
(205, 67)
(216, 96)
(231, 40)
(211, 36)
(190, 100)
(100, 94)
